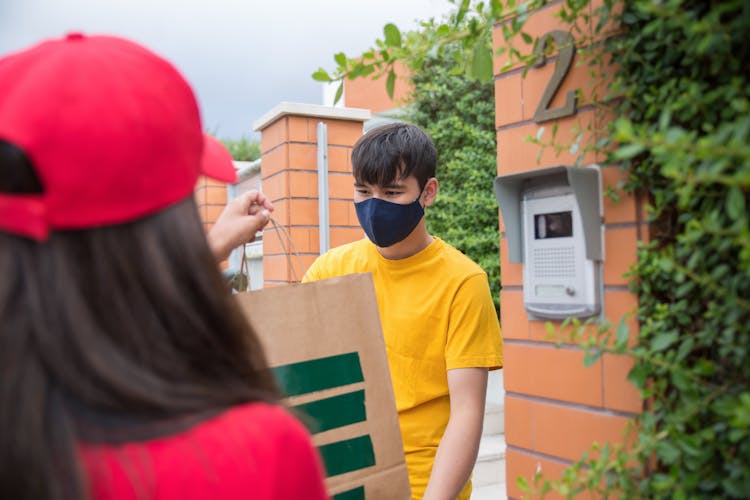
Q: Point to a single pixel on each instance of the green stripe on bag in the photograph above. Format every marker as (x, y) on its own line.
(355, 494)
(333, 412)
(346, 456)
(319, 374)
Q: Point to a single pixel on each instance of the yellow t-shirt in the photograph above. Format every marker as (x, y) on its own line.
(437, 314)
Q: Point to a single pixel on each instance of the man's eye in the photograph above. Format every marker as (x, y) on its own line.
(392, 193)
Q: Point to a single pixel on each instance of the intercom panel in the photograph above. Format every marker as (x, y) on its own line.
(559, 280)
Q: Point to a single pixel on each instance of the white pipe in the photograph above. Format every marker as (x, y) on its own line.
(323, 211)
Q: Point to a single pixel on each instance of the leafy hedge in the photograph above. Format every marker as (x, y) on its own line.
(243, 149)
(683, 89)
(685, 76)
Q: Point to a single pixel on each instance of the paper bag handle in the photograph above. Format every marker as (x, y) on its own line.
(290, 248)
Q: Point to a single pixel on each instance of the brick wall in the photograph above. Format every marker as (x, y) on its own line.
(371, 94)
(289, 173)
(555, 407)
(211, 198)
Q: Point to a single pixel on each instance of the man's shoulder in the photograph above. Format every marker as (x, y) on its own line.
(345, 259)
(455, 261)
(346, 251)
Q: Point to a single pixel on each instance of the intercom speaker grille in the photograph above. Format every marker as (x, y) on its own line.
(554, 262)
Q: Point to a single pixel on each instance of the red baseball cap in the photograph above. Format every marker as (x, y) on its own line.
(112, 130)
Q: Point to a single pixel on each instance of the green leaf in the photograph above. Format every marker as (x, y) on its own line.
(392, 35)
(622, 334)
(668, 452)
(462, 10)
(481, 63)
(591, 357)
(356, 71)
(390, 83)
(340, 59)
(681, 381)
(339, 93)
(321, 76)
(735, 203)
(628, 151)
(496, 8)
(665, 118)
(663, 340)
(522, 483)
(624, 130)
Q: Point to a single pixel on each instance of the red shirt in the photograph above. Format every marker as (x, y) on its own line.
(254, 451)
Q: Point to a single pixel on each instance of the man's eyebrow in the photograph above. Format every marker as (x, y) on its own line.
(392, 185)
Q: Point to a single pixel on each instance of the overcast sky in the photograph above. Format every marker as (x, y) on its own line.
(242, 56)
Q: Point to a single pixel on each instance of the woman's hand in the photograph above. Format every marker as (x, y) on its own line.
(239, 221)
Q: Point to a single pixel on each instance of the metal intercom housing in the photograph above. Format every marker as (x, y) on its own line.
(553, 225)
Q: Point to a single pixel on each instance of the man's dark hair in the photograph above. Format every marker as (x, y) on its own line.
(394, 151)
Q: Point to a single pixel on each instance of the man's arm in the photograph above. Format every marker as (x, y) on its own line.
(460, 444)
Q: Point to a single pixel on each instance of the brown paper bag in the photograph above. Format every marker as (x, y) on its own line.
(325, 344)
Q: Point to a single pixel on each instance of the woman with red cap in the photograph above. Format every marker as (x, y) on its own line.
(126, 371)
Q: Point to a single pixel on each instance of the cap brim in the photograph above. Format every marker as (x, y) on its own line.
(216, 161)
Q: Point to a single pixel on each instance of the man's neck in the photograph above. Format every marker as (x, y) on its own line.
(418, 240)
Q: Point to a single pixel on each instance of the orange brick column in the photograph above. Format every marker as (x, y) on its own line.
(289, 177)
(211, 198)
(555, 408)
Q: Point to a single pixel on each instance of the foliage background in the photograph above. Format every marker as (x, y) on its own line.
(684, 73)
(243, 149)
(682, 95)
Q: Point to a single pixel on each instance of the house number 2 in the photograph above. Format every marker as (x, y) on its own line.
(566, 52)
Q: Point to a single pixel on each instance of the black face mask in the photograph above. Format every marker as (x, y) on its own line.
(386, 223)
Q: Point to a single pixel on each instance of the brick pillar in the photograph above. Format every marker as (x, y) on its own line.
(289, 177)
(211, 198)
(555, 408)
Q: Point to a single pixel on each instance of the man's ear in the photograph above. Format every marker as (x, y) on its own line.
(430, 191)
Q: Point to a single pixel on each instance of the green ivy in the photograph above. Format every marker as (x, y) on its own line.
(466, 34)
(683, 131)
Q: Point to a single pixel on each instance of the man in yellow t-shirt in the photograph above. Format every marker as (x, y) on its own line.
(439, 323)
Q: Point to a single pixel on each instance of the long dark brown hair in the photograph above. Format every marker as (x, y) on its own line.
(111, 334)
